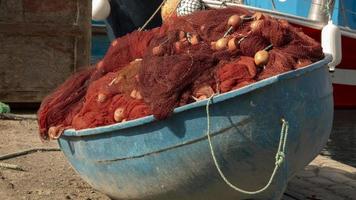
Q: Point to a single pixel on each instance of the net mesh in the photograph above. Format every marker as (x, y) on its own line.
(155, 71)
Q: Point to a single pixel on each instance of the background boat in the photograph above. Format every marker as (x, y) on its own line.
(310, 16)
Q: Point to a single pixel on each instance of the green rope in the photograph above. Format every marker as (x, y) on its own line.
(4, 108)
(280, 155)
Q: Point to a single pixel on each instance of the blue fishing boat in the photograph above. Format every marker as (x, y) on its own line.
(244, 144)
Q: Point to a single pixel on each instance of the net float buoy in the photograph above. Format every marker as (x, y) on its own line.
(53, 133)
(157, 51)
(261, 58)
(195, 39)
(257, 16)
(114, 43)
(136, 94)
(255, 25)
(205, 90)
(221, 44)
(101, 98)
(232, 44)
(202, 97)
(119, 114)
(133, 94)
(233, 22)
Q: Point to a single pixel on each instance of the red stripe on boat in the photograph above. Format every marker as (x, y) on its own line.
(344, 96)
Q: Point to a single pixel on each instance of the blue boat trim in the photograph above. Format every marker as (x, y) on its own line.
(218, 98)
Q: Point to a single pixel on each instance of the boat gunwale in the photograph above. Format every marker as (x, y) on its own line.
(216, 99)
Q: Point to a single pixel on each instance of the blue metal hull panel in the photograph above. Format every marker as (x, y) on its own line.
(343, 12)
(170, 159)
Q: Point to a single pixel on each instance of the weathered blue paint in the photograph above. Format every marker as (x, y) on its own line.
(343, 12)
(100, 43)
(293, 7)
(170, 159)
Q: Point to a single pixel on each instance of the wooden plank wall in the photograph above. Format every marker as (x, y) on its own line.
(42, 42)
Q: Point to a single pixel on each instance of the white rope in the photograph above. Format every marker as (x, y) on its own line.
(152, 16)
(279, 159)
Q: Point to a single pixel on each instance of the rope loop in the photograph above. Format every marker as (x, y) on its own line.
(280, 154)
(280, 158)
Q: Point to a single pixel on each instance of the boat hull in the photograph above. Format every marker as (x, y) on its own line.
(170, 159)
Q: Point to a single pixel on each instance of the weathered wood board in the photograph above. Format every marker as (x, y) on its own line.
(42, 42)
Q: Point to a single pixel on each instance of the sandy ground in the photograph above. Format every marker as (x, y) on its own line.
(48, 175)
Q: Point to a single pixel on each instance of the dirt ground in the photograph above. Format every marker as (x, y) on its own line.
(47, 175)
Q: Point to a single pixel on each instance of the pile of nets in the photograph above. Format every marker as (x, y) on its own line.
(186, 60)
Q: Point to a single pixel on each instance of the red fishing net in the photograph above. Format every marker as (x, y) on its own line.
(186, 60)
